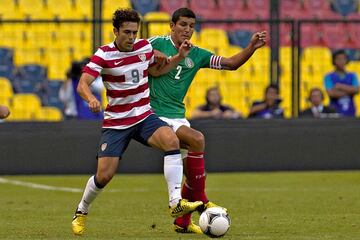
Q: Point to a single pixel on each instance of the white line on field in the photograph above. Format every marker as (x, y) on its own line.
(62, 189)
(239, 189)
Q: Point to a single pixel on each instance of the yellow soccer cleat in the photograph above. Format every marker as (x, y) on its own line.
(78, 223)
(184, 207)
(191, 228)
(210, 205)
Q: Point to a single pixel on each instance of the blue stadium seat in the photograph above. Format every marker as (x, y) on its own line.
(30, 78)
(33, 72)
(6, 56)
(7, 71)
(52, 94)
(345, 7)
(145, 6)
(240, 37)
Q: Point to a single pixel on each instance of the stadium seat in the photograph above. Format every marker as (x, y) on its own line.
(9, 9)
(145, 6)
(52, 94)
(7, 71)
(35, 9)
(156, 29)
(24, 107)
(170, 6)
(109, 7)
(6, 56)
(71, 9)
(48, 114)
(259, 8)
(6, 88)
(30, 78)
(240, 38)
(345, 7)
(204, 9)
(214, 38)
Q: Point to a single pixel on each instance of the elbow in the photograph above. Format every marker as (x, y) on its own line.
(79, 88)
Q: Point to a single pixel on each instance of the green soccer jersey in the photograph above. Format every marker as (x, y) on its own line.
(167, 92)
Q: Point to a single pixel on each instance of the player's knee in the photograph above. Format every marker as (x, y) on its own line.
(198, 141)
(172, 142)
(104, 178)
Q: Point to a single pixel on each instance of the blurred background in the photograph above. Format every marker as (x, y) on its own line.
(43, 44)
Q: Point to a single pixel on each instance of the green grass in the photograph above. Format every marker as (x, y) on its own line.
(276, 206)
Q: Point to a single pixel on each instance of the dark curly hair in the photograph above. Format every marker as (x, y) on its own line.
(124, 15)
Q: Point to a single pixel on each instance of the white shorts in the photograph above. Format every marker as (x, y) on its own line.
(175, 124)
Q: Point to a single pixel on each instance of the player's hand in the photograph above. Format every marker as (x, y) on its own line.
(160, 58)
(94, 105)
(185, 48)
(258, 39)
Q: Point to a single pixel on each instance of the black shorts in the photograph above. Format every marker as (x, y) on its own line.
(114, 142)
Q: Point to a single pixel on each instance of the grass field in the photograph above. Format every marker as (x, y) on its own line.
(276, 206)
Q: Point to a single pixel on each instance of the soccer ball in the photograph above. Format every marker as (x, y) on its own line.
(214, 222)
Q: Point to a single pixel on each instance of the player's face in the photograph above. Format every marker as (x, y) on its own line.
(126, 35)
(182, 29)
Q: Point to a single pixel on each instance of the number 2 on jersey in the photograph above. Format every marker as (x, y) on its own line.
(177, 76)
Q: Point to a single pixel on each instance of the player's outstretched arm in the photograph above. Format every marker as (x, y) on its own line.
(258, 40)
(163, 67)
(84, 91)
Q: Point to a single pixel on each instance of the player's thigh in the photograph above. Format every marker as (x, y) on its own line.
(114, 142)
(191, 137)
(156, 133)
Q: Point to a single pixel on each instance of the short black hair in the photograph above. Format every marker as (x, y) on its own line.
(337, 53)
(182, 12)
(122, 15)
(273, 86)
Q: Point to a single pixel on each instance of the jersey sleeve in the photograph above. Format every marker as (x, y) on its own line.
(355, 81)
(96, 64)
(208, 59)
(328, 82)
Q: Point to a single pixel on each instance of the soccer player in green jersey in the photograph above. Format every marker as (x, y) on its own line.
(167, 93)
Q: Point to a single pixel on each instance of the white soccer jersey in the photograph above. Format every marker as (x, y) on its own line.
(125, 77)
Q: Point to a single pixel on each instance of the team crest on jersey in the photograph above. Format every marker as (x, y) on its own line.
(189, 63)
(142, 57)
(103, 146)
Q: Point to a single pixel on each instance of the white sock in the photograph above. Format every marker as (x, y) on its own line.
(90, 193)
(173, 171)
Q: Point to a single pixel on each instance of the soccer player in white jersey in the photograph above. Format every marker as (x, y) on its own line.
(124, 66)
(167, 94)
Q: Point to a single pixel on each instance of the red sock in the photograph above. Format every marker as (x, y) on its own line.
(184, 220)
(195, 166)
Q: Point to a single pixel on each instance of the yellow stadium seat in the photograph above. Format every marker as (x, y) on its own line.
(107, 33)
(317, 55)
(24, 106)
(6, 88)
(354, 66)
(48, 114)
(70, 9)
(156, 29)
(214, 38)
(35, 9)
(9, 9)
(109, 7)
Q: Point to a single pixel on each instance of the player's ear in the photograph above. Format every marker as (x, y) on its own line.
(172, 25)
(116, 31)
